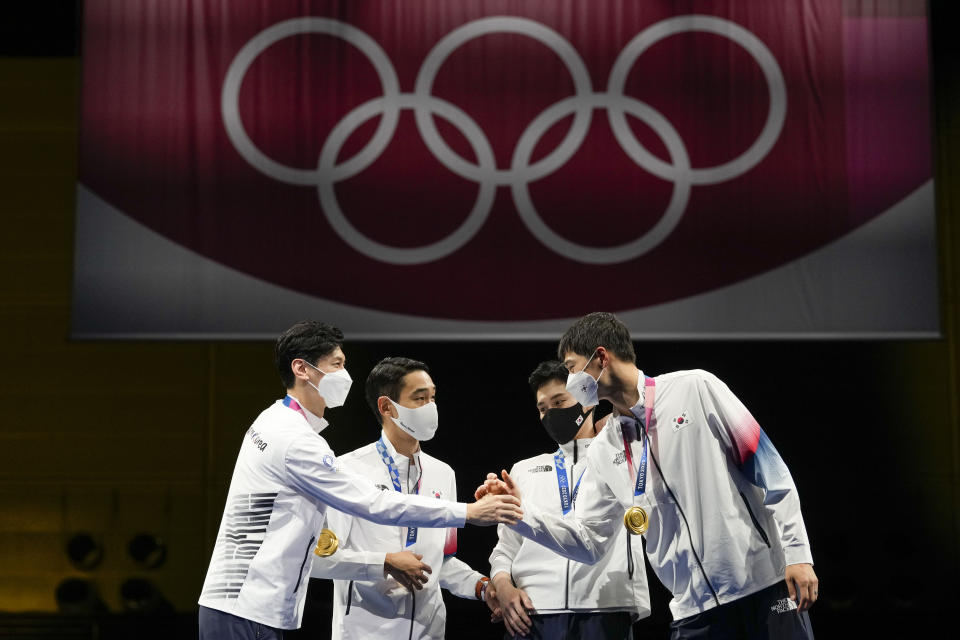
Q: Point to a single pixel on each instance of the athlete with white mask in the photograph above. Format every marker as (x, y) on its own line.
(285, 479)
(542, 594)
(716, 507)
(387, 579)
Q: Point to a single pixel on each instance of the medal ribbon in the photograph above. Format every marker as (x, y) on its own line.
(566, 500)
(395, 477)
(640, 486)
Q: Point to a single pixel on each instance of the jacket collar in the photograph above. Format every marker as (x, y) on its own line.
(582, 444)
(317, 424)
(398, 458)
(628, 424)
(637, 409)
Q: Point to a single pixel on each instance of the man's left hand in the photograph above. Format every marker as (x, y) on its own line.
(802, 584)
(490, 595)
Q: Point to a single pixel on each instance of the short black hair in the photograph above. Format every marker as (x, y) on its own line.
(309, 340)
(386, 379)
(597, 329)
(545, 372)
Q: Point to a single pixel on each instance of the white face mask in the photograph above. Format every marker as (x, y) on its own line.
(333, 387)
(583, 386)
(421, 422)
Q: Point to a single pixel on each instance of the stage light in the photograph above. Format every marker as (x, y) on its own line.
(147, 550)
(84, 551)
(77, 596)
(138, 595)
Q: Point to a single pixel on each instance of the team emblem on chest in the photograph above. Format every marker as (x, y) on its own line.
(680, 421)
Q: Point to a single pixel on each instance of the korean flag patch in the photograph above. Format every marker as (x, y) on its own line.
(680, 421)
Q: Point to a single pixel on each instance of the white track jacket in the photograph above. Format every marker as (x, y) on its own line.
(365, 604)
(724, 513)
(285, 479)
(616, 582)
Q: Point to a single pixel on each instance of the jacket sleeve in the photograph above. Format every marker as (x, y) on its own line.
(584, 537)
(347, 563)
(760, 463)
(509, 541)
(312, 469)
(506, 549)
(456, 576)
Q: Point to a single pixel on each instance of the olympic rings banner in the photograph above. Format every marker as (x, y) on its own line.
(436, 169)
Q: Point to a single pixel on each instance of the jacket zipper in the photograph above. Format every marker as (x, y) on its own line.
(413, 596)
(689, 533)
(566, 583)
(413, 613)
(304, 563)
(756, 523)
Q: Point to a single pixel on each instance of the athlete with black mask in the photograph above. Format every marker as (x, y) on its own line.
(542, 594)
(716, 510)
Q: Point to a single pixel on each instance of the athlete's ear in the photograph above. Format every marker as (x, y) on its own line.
(603, 357)
(386, 408)
(299, 368)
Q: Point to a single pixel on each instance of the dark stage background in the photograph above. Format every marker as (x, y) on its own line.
(116, 439)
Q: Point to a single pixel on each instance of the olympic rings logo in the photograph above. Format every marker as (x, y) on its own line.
(521, 172)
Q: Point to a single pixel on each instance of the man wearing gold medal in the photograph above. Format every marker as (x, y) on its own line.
(686, 466)
(546, 596)
(387, 579)
(285, 479)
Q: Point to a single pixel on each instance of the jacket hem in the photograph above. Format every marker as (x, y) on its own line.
(724, 599)
(235, 611)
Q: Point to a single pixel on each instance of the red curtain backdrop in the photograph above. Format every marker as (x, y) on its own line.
(495, 168)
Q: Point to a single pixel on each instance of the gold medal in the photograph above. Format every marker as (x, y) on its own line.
(327, 543)
(636, 521)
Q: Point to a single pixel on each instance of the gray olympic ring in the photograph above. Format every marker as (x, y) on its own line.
(485, 172)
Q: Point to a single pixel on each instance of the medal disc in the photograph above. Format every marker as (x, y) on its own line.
(636, 521)
(327, 543)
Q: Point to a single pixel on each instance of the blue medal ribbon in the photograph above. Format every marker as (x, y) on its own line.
(566, 499)
(640, 487)
(395, 478)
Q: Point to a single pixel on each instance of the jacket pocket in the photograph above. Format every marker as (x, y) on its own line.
(756, 523)
(303, 564)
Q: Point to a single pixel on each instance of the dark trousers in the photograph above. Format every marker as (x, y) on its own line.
(615, 625)
(217, 625)
(765, 615)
